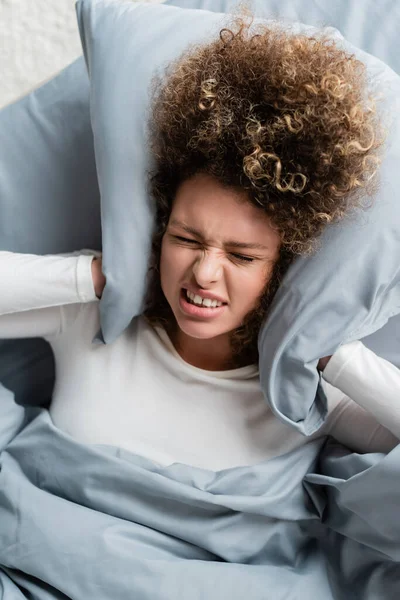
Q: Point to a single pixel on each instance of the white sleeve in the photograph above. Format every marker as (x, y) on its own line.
(35, 290)
(363, 392)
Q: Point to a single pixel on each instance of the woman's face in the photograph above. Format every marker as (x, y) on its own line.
(216, 244)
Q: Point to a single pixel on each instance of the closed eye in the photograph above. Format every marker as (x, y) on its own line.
(237, 256)
(244, 258)
(178, 237)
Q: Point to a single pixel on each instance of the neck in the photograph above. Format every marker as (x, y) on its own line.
(214, 354)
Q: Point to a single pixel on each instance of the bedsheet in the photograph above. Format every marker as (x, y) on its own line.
(96, 522)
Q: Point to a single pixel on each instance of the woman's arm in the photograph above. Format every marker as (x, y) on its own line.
(35, 288)
(365, 400)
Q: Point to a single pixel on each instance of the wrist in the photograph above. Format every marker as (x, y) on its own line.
(97, 276)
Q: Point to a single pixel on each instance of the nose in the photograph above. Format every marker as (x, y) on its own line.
(207, 268)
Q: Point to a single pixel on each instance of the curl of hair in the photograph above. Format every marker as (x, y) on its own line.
(285, 117)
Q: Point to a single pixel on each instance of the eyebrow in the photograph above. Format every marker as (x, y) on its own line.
(230, 243)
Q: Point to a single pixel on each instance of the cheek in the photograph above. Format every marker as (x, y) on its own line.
(251, 285)
(169, 257)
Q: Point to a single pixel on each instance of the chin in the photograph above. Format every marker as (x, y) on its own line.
(201, 332)
(201, 329)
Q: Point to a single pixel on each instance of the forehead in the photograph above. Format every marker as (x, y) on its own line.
(220, 214)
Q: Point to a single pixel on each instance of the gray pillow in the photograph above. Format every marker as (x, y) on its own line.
(316, 309)
(49, 202)
(357, 21)
(358, 27)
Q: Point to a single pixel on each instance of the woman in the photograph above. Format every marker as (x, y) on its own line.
(259, 140)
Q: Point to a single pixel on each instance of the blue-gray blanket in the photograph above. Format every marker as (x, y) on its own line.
(95, 522)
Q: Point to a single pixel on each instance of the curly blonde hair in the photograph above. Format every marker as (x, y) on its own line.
(285, 117)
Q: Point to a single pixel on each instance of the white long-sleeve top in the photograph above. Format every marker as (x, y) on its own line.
(139, 394)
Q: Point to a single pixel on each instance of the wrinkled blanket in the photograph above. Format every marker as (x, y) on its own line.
(96, 522)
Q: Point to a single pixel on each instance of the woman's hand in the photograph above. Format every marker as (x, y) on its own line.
(99, 281)
(323, 362)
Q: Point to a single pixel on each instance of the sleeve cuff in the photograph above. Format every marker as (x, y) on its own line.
(340, 361)
(84, 280)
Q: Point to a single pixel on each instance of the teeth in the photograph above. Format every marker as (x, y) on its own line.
(202, 301)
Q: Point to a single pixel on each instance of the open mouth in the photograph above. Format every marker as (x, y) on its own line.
(214, 305)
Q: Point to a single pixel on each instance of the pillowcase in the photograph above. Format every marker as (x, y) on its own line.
(49, 201)
(315, 310)
(370, 25)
